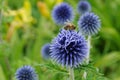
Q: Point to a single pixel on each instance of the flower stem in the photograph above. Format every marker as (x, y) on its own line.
(1, 12)
(89, 42)
(71, 72)
(88, 56)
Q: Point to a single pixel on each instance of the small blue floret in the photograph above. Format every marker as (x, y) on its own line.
(89, 24)
(62, 13)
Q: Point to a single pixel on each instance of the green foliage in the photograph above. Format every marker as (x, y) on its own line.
(2, 74)
(54, 68)
(21, 41)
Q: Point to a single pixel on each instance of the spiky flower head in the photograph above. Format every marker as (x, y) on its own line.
(26, 73)
(62, 13)
(46, 51)
(83, 7)
(89, 24)
(69, 48)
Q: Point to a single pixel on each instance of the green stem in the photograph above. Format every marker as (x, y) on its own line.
(88, 56)
(71, 72)
(89, 42)
(1, 13)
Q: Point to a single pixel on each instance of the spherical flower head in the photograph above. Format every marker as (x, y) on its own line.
(46, 51)
(89, 24)
(26, 73)
(62, 13)
(69, 48)
(83, 7)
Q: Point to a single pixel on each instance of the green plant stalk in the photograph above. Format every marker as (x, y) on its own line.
(1, 13)
(89, 43)
(88, 56)
(71, 73)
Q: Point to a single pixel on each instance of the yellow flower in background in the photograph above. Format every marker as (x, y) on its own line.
(43, 8)
(25, 12)
(21, 16)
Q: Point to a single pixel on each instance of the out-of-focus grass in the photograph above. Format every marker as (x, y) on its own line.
(21, 39)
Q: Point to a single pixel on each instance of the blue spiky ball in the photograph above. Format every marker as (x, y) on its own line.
(46, 51)
(26, 73)
(89, 24)
(83, 7)
(62, 13)
(69, 48)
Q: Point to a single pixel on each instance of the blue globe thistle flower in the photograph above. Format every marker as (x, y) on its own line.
(46, 51)
(83, 6)
(69, 48)
(26, 73)
(62, 13)
(89, 24)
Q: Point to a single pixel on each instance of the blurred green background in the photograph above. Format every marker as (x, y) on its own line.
(26, 25)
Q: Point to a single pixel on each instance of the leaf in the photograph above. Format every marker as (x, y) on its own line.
(2, 76)
(112, 34)
(90, 67)
(54, 67)
(92, 72)
(108, 59)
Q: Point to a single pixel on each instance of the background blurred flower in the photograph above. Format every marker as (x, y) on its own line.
(69, 48)
(22, 18)
(62, 13)
(84, 6)
(26, 73)
(46, 51)
(89, 24)
(43, 8)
